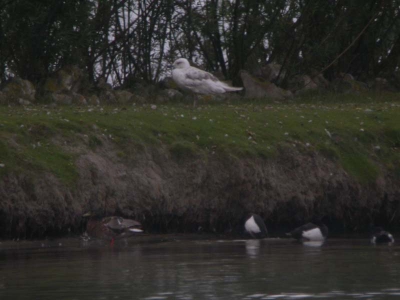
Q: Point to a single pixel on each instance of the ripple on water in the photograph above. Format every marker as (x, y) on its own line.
(208, 270)
(255, 296)
(327, 295)
(272, 297)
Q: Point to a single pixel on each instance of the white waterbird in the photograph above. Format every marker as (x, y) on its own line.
(197, 81)
(316, 231)
(255, 226)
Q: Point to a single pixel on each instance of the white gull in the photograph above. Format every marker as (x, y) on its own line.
(197, 81)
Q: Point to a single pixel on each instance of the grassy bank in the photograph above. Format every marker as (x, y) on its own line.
(361, 132)
(177, 168)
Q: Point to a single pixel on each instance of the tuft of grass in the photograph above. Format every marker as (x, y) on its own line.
(7, 159)
(182, 150)
(94, 142)
(392, 135)
(329, 151)
(359, 165)
(52, 159)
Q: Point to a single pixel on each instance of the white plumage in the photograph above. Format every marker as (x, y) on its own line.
(251, 226)
(313, 235)
(255, 226)
(198, 81)
(310, 232)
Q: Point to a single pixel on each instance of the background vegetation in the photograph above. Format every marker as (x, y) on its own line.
(125, 40)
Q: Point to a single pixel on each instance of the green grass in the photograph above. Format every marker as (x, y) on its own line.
(53, 159)
(361, 133)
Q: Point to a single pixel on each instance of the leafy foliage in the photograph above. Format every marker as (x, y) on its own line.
(130, 41)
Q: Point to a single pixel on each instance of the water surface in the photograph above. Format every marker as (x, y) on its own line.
(177, 267)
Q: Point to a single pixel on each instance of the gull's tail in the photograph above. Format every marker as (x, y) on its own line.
(228, 88)
(232, 89)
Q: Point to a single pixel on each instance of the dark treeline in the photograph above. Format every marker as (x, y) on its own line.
(127, 40)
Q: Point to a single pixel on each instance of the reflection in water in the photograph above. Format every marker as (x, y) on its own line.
(253, 247)
(313, 243)
(198, 269)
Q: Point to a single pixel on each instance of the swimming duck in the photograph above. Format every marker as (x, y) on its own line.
(255, 226)
(111, 227)
(380, 236)
(310, 232)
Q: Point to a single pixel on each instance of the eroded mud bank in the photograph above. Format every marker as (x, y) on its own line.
(207, 191)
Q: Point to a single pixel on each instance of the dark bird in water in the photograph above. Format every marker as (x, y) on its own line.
(310, 232)
(380, 236)
(255, 226)
(111, 228)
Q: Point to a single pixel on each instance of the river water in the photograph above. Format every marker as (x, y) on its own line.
(182, 267)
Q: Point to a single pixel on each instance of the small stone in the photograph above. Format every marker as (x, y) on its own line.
(24, 102)
(153, 106)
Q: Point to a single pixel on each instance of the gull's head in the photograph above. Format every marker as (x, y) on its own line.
(181, 63)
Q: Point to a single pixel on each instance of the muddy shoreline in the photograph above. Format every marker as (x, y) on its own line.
(197, 192)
